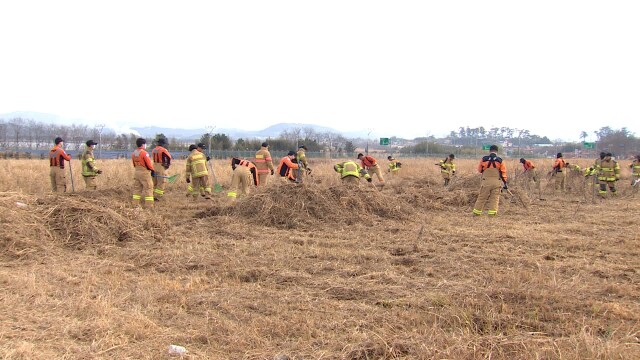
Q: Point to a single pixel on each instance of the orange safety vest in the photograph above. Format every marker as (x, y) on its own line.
(252, 168)
(368, 161)
(285, 167)
(161, 156)
(528, 165)
(57, 156)
(559, 165)
(492, 161)
(140, 158)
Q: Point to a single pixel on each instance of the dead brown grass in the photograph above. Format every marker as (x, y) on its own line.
(316, 271)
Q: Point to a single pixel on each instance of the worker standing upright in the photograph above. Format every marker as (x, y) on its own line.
(494, 177)
(559, 172)
(57, 156)
(197, 173)
(447, 168)
(89, 168)
(608, 174)
(161, 163)
(264, 163)
(303, 165)
(144, 172)
(635, 171)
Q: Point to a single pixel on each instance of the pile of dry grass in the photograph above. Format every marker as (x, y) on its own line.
(21, 231)
(290, 206)
(83, 219)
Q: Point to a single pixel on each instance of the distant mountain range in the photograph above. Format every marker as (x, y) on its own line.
(181, 134)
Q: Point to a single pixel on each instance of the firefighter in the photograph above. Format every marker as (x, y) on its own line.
(303, 165)
(608, 174)
(197, 173)
(161, 163)
(264, 163)
(244, 174)
(287, 166)
(635, 171)
(350, 172)
(370, 165)
(447, 168)
(394, 166)
(57, 156)
(559, 172)
(530, 174)
(89, 168)
(144, 172)
(494, 177)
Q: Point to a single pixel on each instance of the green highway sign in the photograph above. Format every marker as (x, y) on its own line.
(486, 146)
(384, 141)
(589, 145)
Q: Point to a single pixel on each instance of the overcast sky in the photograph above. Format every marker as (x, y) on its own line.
(404, 68)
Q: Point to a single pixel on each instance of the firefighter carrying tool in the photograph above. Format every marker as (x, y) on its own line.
(447, 168)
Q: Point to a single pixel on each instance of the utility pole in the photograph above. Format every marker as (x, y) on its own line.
(100, 127)
(367, 149)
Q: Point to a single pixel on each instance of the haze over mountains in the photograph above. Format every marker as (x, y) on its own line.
(181, 133)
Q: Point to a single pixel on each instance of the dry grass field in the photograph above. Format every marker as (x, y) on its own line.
(317, 270)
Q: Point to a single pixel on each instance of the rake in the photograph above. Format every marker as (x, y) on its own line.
(170, 179)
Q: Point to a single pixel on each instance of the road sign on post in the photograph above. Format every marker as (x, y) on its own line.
(486, 146)
(589, 145)
(384, 141)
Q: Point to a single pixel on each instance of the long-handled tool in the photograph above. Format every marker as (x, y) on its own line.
(73, 188)
(170, 179)
(216, 187)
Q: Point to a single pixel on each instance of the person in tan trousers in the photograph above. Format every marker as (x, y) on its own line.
(494, 177)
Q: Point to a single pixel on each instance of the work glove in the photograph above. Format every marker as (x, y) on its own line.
(98, 172)
(369, 180)
(153, 173)
(271, 171)
(188, 180)
(208, 158)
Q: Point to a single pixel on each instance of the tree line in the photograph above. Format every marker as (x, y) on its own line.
(21, 134)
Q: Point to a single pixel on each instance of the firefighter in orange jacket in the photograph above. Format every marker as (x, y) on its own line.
(559, 172)
(287, 168)
(370, 164)
(264, 163)
(244, 174)
(144, 172)
(161, 163)
(57, 156)
(494, 177)
(530, 174)
(197, 173)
